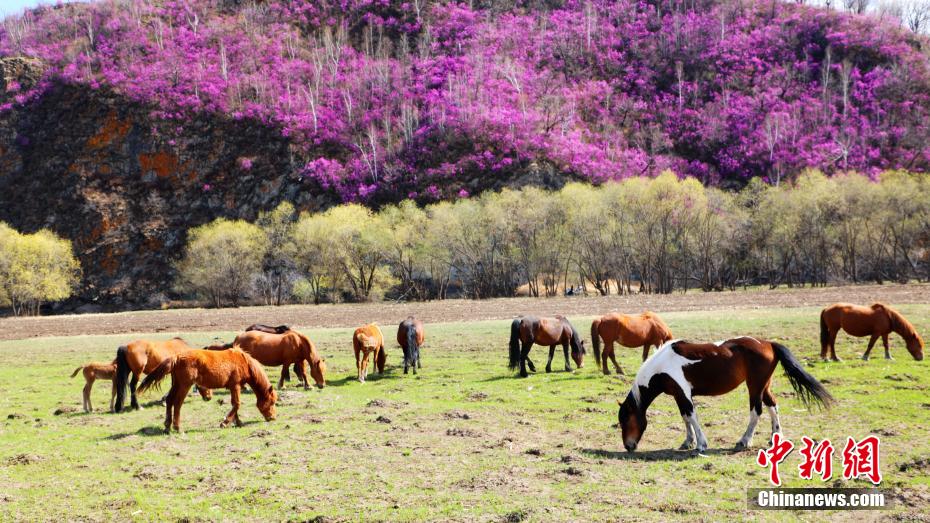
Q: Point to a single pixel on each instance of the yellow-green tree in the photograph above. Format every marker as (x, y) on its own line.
(222, 260)
(34, 269)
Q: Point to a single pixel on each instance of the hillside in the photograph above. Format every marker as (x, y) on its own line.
(122, 124)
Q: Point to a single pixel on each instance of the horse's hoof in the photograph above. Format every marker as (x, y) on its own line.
(888, 358)
(834, 358)
(740, 446)
(548, 370)
(686, 446)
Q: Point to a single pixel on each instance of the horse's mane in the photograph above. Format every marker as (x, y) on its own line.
(898, 322)
(314, 356)
(260, 381)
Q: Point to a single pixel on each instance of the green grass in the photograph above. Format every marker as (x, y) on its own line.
(466, 440)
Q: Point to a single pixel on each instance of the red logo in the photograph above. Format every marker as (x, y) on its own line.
(861, 459)
(817, 459)
(775, 455)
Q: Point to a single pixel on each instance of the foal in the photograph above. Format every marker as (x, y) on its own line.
(93, 371)
(366, 341)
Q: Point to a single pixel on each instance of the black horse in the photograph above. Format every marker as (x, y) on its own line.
(410, 337)
(543, 331)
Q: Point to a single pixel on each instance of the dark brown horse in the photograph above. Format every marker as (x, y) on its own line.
(876, 321)
(210, 369)
(641, 330)
(410, 337)
(684, 370)
(527, 330)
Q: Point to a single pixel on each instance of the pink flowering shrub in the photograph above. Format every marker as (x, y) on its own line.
(390, 98)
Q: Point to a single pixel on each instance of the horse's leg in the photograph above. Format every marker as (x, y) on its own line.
(608, 350)
(872, 340)
(833, 346)
(529, 362)
(134, 403)
(885, 343)
(112, 395)
(179, 396)
(769, 401)
(689, 435)
(169, 404)
(646, 348)
(686, 409)
(87, 388)
(234, 412)
(407, 361)
(755, 410)
(568, 364)
(524, 359)
(613, 358)
(551, 354)
(301, 369)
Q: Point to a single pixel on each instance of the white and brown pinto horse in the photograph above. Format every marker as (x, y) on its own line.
(684, 370)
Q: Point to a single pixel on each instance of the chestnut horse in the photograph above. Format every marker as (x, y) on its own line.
(142, 357)
(684, 370)
(876, 321)
(208, 369)
(410, 337)
(644, 330)
(368, 340)
(94, 371)
(527, 330)
(284, 349)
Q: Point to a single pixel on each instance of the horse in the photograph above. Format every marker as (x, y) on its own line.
(876, 321)
(410, 337)
(93, 371)
(230, 369)
(628, 330)
(365, 341)
(280, 329)
(284, 349)
(684, 370)
(142, 357)
(543, 331)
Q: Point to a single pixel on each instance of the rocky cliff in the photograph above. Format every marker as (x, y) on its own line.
(125, 187)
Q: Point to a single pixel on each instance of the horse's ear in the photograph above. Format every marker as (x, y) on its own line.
(619, 403)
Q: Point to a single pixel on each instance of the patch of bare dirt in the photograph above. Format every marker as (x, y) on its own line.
(389, 313)
(23, 459)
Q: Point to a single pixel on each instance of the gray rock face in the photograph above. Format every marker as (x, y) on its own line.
(125, 186)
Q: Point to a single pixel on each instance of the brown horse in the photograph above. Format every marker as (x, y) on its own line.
(284, 349)
(230, 369)
(684, 370)
(96, 371)
(527, 330)
(368, 340)
(876, 321)
(644, 330)
(410, 337)
(142, 357)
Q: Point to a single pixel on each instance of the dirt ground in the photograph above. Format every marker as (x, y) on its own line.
(386, 313)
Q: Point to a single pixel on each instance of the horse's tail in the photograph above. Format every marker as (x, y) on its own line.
(515, 344)
(824, 330)
(596, 340)
(412, 348)
(153, 380)
(122, 375)
(79, 369)
(809, 390)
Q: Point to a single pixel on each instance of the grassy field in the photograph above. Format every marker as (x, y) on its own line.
(464, 440)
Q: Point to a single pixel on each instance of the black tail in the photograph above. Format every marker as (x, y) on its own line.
(824, 332)
(808, 389)
(153, 380)
(122, 375)
(596, 341)
(413, 350)
(515, 344)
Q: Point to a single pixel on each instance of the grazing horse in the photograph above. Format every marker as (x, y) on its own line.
(368, 340)
(284, 349)
(208, 369)
(643, 330)
(543, 331)
(684, 370)
(96, 371)
(876, 321)
(410, 337)
(142, 357)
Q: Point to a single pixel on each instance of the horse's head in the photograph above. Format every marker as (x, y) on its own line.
(632, 421)
(266, 403)
(578, 355)
(318, 372)
(206, 394)
(915, 345)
